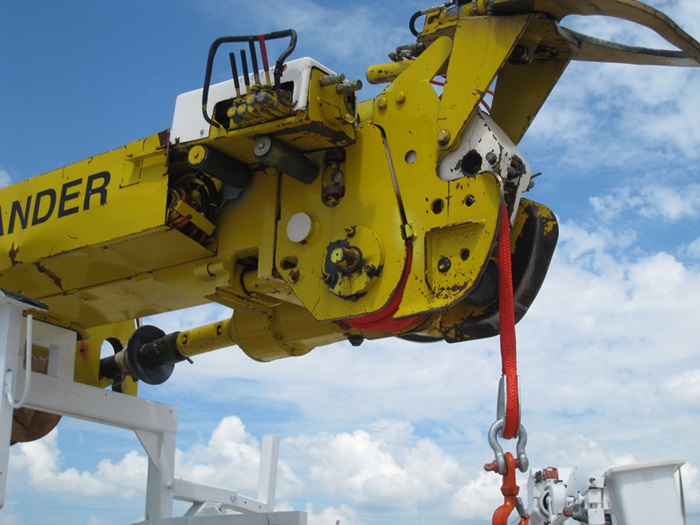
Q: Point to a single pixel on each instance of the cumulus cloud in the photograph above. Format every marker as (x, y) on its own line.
(598, 306)
(384, 470)
(40, 464)
(476, 496)
(231, 458)
(374, 471)
(650, 201)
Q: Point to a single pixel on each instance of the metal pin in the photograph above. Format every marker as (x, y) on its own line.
(348, 86)
(329, 80)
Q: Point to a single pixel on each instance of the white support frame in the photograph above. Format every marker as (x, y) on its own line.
(155, 425)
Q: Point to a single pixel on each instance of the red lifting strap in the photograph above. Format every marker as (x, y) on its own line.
(383, 320)
(507, 327)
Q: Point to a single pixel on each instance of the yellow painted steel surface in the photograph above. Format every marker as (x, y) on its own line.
(369, 209)
(483, 45)
(338, 219)
(90, 348)
(87, 238)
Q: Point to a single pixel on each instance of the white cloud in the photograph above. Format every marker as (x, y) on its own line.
(685, 12)
(231, 458)
(354, 34)
(40, 463)
(376, 471)
(5, 179)
(691, 483)
(623, 32)
(650, 201)
(585, 453)
(691, 250)
(609, 337)
(344, 514)
(478, 497)
(609, 116)
(587, 277)
(684, 388)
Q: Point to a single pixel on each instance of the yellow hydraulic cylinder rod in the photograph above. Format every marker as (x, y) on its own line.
(284, 331)
(384, 73)
(205, 339)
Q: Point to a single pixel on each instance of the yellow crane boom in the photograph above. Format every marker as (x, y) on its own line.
(315, 216)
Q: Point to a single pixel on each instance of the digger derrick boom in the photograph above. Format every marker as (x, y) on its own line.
(314, 216)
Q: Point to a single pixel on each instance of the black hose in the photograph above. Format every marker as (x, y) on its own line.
(213, 196)
(412, 22)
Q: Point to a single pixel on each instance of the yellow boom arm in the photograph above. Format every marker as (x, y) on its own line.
(314, 216)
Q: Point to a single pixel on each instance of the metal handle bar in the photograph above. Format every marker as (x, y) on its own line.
(279, 64)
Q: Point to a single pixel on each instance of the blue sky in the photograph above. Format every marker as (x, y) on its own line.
(609, 353)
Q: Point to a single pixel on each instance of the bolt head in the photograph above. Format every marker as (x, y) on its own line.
(443, 137)
(262, 146)
(381, 103)
(370, 270)
(444, 264)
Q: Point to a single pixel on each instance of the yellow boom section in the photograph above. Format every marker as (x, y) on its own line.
(317, 218)
(86, 238)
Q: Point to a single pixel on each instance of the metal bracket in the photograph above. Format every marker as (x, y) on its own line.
(155, 425)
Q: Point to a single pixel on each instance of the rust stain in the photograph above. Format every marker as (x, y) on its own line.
(164, 138)
(55, 278)
(13, 255)
(84, 352)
